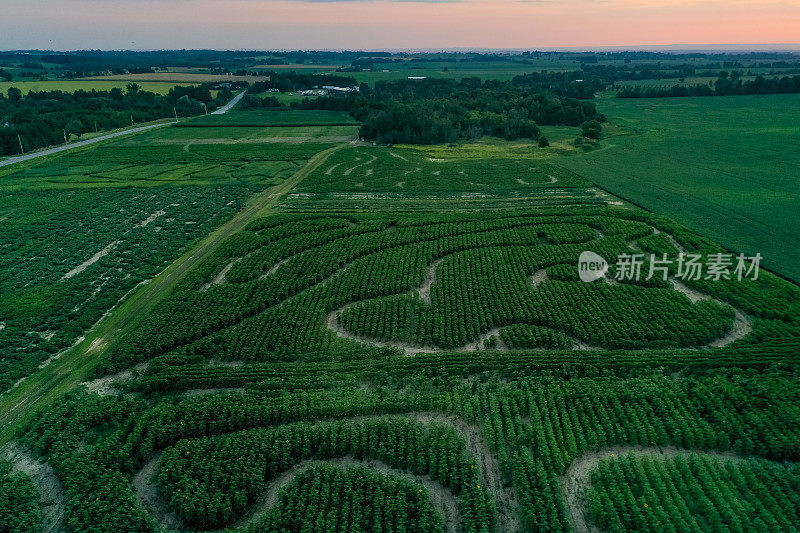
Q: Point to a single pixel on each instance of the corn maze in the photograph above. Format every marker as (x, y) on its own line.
(405, 345)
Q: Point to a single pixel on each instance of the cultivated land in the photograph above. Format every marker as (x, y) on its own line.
(85, 85)
(367, 337)
(725, 167)
(175, 77)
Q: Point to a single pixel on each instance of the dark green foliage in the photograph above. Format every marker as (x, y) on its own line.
(41, 118)
(19, 509)
(247, 461)
(724, 85)
(328, 499)
(267, 118)
(591, 129)
(694, 494)
(536, 424)
(435, 111)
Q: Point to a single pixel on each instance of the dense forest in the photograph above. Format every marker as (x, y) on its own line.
(45, 118)
(725, 85)
(298, 81)
(437, 110)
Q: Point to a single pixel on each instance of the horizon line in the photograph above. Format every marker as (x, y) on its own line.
(678, 47)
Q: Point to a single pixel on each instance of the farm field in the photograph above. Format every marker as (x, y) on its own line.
(159, 87)
(125, 212)
(174, 77)
(288, 127)
(723, 166)
(385, 339)
(282, 118)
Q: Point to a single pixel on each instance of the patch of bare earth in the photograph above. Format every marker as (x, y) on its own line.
(92, 260)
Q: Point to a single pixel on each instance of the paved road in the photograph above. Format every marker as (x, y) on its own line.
(51, 151)
(227, 107)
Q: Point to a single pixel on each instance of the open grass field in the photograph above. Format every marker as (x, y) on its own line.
(446, 69)
(175, 77)
(269, 118)
(159, 87)
(365, 338)
(726, 167)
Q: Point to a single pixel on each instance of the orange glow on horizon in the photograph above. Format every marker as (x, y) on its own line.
(378, 24)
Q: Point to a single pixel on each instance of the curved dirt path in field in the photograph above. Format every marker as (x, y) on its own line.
(742, 324)
(52, 499)
(150, 497)
(577, 481)
(350, 170)
(508, 515)
(440, 498)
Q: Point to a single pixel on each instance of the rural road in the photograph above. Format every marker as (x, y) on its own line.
(50, 151)
(57, 149)
(227, 107)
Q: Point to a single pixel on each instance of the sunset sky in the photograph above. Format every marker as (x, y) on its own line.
(377, 24)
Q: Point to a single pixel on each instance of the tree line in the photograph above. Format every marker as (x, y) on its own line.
(724, 85)
(45, 118)
(434, 111)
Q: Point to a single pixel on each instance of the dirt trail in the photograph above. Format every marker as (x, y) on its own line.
(741, 327)
(92, 260)
(220, 278)
(351, 169)
(576, 482)
(441, 498)
(150, 498)
(332, 168)
(52, 500)
(150, 219)
(742, 322)
(508, 520)
(105, 386)
(332, 323)
(424, 290)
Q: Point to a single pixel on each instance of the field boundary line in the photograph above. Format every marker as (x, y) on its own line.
(19, 405)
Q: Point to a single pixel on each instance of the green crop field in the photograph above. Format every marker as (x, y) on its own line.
(272, 118)
(725, 167)
(159, 87)
(83, 228)
(323, 334)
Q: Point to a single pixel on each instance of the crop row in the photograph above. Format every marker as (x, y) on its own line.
(211, 481)
(694, 494)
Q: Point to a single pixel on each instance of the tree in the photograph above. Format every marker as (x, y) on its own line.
(591, 129)
(14, 94)
(74, 126)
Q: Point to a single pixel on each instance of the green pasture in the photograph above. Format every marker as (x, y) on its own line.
(158, 87)
(726, 167)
